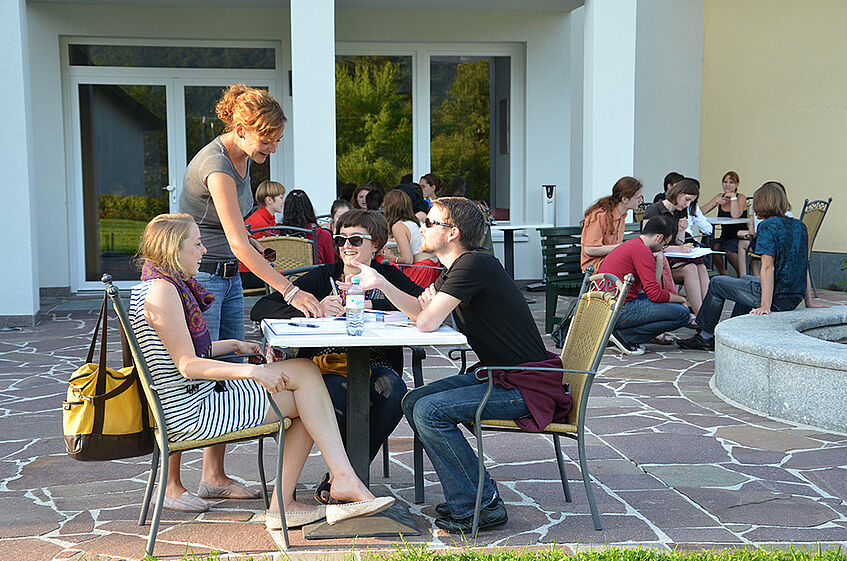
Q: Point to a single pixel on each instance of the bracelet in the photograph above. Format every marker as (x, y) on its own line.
(286, 289)
(290, 295)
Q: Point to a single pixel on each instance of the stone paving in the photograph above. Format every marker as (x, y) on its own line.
(674, 467)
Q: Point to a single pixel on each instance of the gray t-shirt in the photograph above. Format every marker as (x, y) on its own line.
(197, 201)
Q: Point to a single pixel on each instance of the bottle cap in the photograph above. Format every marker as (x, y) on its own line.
(355, 280)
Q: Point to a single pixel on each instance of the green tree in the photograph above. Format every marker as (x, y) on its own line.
(461, 130)
(373, 120)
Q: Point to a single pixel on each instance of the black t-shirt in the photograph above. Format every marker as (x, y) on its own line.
(493, 313)
(657, 209)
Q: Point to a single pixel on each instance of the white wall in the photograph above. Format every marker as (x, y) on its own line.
(19, 298)
(669, 60)
(609, 109)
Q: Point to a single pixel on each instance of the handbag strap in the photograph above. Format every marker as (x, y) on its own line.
(90, 355)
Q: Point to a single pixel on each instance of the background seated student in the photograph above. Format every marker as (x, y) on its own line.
(166, 312)
(692, 273)
(359, 237)
(339, 207)
(671, 179)
(730, 204)
(300, 213)
(649, 310)
(783, 244)
(603, 227)
(406, 231)
(270, 196)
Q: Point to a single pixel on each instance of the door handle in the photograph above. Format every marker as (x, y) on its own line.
(172, 190)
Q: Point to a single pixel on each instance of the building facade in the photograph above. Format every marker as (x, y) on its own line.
(107, 101)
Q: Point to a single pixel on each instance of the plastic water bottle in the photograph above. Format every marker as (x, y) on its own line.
(355, 308)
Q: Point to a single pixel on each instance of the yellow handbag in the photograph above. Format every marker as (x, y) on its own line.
(105, 415)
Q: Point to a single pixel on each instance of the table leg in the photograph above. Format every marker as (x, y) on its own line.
(509, 251)
(394, 522)
(358, 410)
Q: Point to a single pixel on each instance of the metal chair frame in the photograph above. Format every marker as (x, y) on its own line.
(159, 461)
(483, 373)
(809, 207)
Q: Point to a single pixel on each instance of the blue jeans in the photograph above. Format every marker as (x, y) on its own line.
(746, 292)
(225, 319)
(387, 390)
(642, 319)
(435, 411)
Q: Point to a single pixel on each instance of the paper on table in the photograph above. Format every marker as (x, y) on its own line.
(303, 326)
(695, 253)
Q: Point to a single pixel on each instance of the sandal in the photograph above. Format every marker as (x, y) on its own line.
(322, 490)
(663, 339)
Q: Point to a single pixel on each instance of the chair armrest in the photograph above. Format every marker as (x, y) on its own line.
(418, 355)
(464, 357)
(540, 368)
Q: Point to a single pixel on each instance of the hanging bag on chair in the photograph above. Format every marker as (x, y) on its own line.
(105, 415)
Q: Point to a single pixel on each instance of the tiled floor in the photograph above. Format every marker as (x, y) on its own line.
(675, 466)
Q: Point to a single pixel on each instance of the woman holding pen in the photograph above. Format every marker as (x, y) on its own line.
(216, 193)
(359, 236)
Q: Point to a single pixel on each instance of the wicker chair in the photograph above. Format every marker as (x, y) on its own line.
(160, 460)
(595, 318)
(812, 216)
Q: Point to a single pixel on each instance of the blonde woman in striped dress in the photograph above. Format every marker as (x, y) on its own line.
(166, 314)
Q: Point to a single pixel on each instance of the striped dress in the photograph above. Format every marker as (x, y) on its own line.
(194, 411)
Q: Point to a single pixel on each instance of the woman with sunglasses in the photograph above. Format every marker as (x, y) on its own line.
(359, 236)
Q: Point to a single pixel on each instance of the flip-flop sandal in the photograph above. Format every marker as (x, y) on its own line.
(663, 339)
(322, 491)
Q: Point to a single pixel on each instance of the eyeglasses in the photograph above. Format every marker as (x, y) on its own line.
(430, 223)
(355, 240)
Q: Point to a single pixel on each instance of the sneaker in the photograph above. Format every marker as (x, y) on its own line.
(625, 346)
(697, 343)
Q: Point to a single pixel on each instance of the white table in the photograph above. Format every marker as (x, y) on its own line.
(377, 334)
(508, 230)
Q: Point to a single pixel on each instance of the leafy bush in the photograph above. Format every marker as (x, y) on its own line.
(132, 207)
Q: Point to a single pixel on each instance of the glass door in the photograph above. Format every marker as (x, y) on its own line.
(124, 163)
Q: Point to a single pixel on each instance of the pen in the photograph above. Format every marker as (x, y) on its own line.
(332, 285)
(312, 325)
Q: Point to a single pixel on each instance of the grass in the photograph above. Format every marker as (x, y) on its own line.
(409, 552)
(117, 234)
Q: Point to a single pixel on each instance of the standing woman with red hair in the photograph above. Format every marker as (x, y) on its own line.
(216, 193)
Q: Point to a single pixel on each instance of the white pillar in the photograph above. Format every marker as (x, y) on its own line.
(313, 99)
(609, 103)
(19, 299)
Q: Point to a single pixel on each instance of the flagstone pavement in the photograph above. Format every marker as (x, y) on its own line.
(674, 466)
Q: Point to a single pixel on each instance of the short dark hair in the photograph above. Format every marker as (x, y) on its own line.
(662, 224)
(672, 179)
(374, 199)
(464, 215)
(370, 220)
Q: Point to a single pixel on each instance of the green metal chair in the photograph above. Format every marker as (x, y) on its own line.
(601, 299)
(165, 448)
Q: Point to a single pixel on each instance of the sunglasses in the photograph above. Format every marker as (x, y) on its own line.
(355, 240)
(430, 223)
